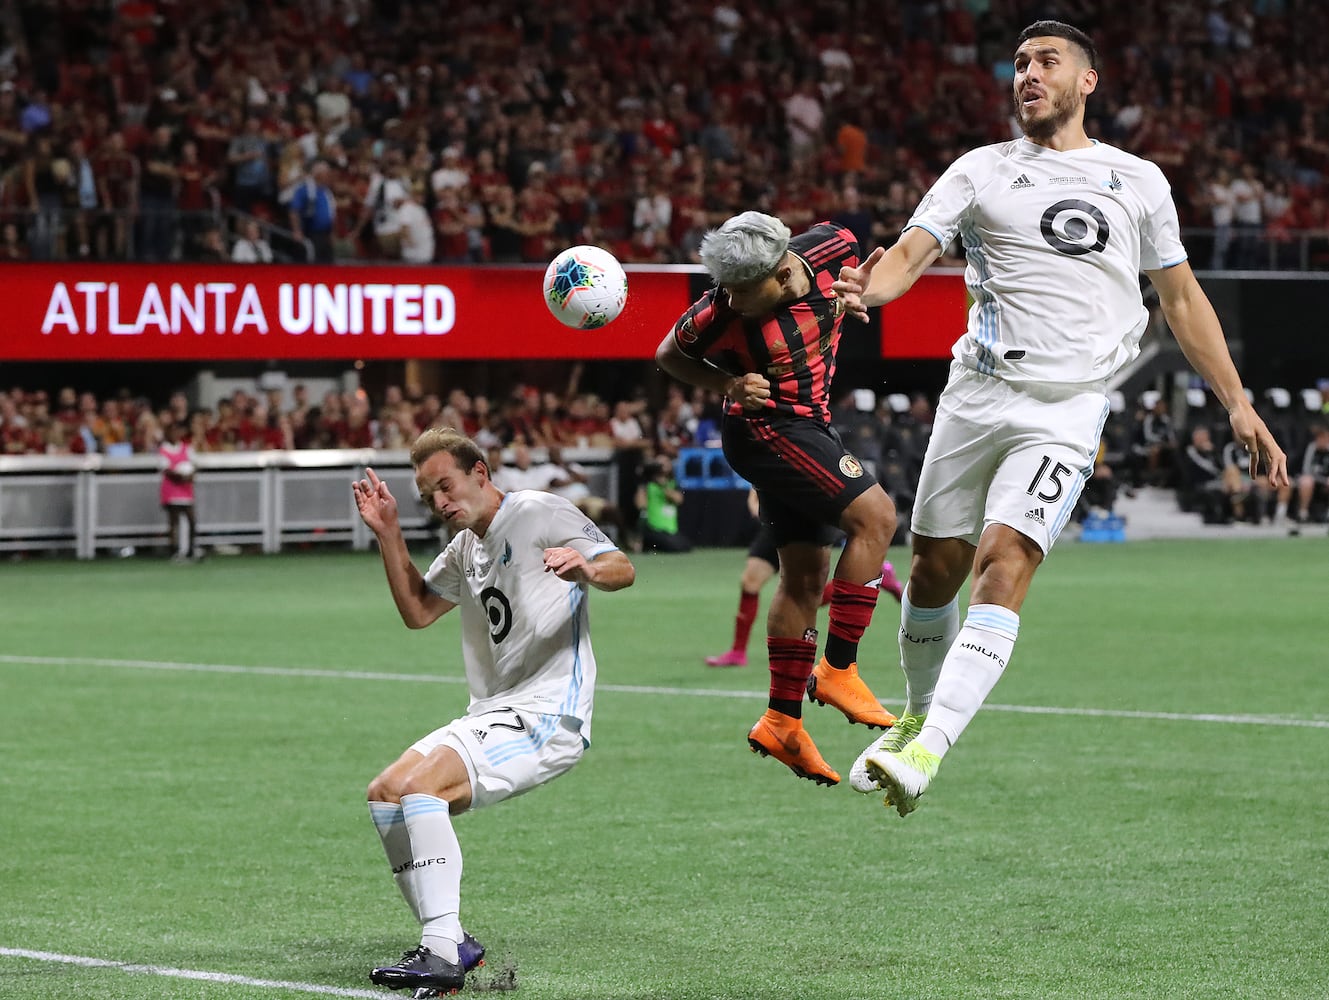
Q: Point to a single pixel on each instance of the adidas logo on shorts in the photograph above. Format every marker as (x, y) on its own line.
(1021, 182)
(1035, 515)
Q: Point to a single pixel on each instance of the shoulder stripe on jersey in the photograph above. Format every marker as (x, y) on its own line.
(823, 252)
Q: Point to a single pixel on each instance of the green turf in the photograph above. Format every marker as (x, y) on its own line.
(215, 821)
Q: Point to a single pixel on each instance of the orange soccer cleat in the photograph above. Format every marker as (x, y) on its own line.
(785, 739)
(845, 690)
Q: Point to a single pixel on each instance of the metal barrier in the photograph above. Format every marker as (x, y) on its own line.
(264, 499)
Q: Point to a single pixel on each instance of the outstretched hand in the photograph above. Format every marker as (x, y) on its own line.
(853, 283)
(377, 506)
(1251, 431)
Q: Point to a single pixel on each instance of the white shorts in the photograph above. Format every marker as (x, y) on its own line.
(508, 752)
(1008, 454)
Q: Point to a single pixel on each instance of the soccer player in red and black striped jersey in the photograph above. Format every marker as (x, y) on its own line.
(766, 337)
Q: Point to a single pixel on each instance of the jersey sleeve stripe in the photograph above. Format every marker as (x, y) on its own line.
(927, 229)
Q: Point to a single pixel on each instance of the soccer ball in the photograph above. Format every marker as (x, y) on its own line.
(585, 287)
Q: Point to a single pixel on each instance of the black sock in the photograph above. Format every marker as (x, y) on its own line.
(840, 652)
(786, 706)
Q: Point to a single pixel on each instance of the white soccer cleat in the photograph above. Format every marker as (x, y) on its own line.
(905, 729)
(903, 775)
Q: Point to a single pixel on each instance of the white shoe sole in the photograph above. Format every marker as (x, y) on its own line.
(903, 785)
(859, 778)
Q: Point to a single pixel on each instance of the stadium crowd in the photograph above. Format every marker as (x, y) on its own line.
(258, 131)
(1141, 447)
(504, 131)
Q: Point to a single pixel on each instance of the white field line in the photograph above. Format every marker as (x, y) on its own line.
(682, 692)
(168, 972)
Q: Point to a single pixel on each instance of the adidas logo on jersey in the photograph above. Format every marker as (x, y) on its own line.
(1035, 515)
(1021, 182)
(1114, 183)
(479, 734)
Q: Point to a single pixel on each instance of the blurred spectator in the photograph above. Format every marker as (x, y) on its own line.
(83, 199)
(195, 199)
(46, 178)
(313, 211)
(652, 216)
(117, 172)
(177, 493)
(250, 246)
(1202, 487)
(157, 190)
(451, 174)
(1155, 444)
(1313, 478)
(1220, 208)
(526, 474)
(503, 232)
(12, 244)
(574, 485)
(379, 223)
(658, 499)
(1248, 216)
(1253, 499)
(417, 231)
(854, 215)
(211, 247)
(251, 176)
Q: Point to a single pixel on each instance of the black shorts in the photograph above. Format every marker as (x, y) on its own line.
(801, 472)
(763, 546)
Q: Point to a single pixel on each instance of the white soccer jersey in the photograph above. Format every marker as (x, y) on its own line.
(525, 633)
(1055, 243)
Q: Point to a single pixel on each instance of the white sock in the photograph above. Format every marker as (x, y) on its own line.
(391, 827)
(437, 865)
(926, 635)
(971, 671)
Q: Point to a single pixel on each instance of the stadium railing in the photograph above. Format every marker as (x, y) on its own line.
(264, 500)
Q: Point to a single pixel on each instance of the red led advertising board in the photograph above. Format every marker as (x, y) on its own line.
(182, 312)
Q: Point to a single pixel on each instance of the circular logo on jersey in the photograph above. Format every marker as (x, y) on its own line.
(498, 611)
(850, 466)
(1075, 228)
(687, 331)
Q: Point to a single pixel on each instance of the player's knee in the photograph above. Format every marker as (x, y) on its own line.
(871, 517)
(382, 790)
(803, 587)
(1007, 569)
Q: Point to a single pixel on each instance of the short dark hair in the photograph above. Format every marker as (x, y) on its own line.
(1060, 29)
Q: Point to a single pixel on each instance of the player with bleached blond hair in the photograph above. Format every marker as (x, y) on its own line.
(767, 337)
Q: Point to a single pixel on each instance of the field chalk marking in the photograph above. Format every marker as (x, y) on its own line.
(363, 675)
(168, 972)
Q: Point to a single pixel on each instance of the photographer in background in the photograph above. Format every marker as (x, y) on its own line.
(658, 499)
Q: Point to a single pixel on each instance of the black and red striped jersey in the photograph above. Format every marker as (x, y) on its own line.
(794, 346)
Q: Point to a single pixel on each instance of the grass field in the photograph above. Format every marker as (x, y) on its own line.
(1141, 812)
